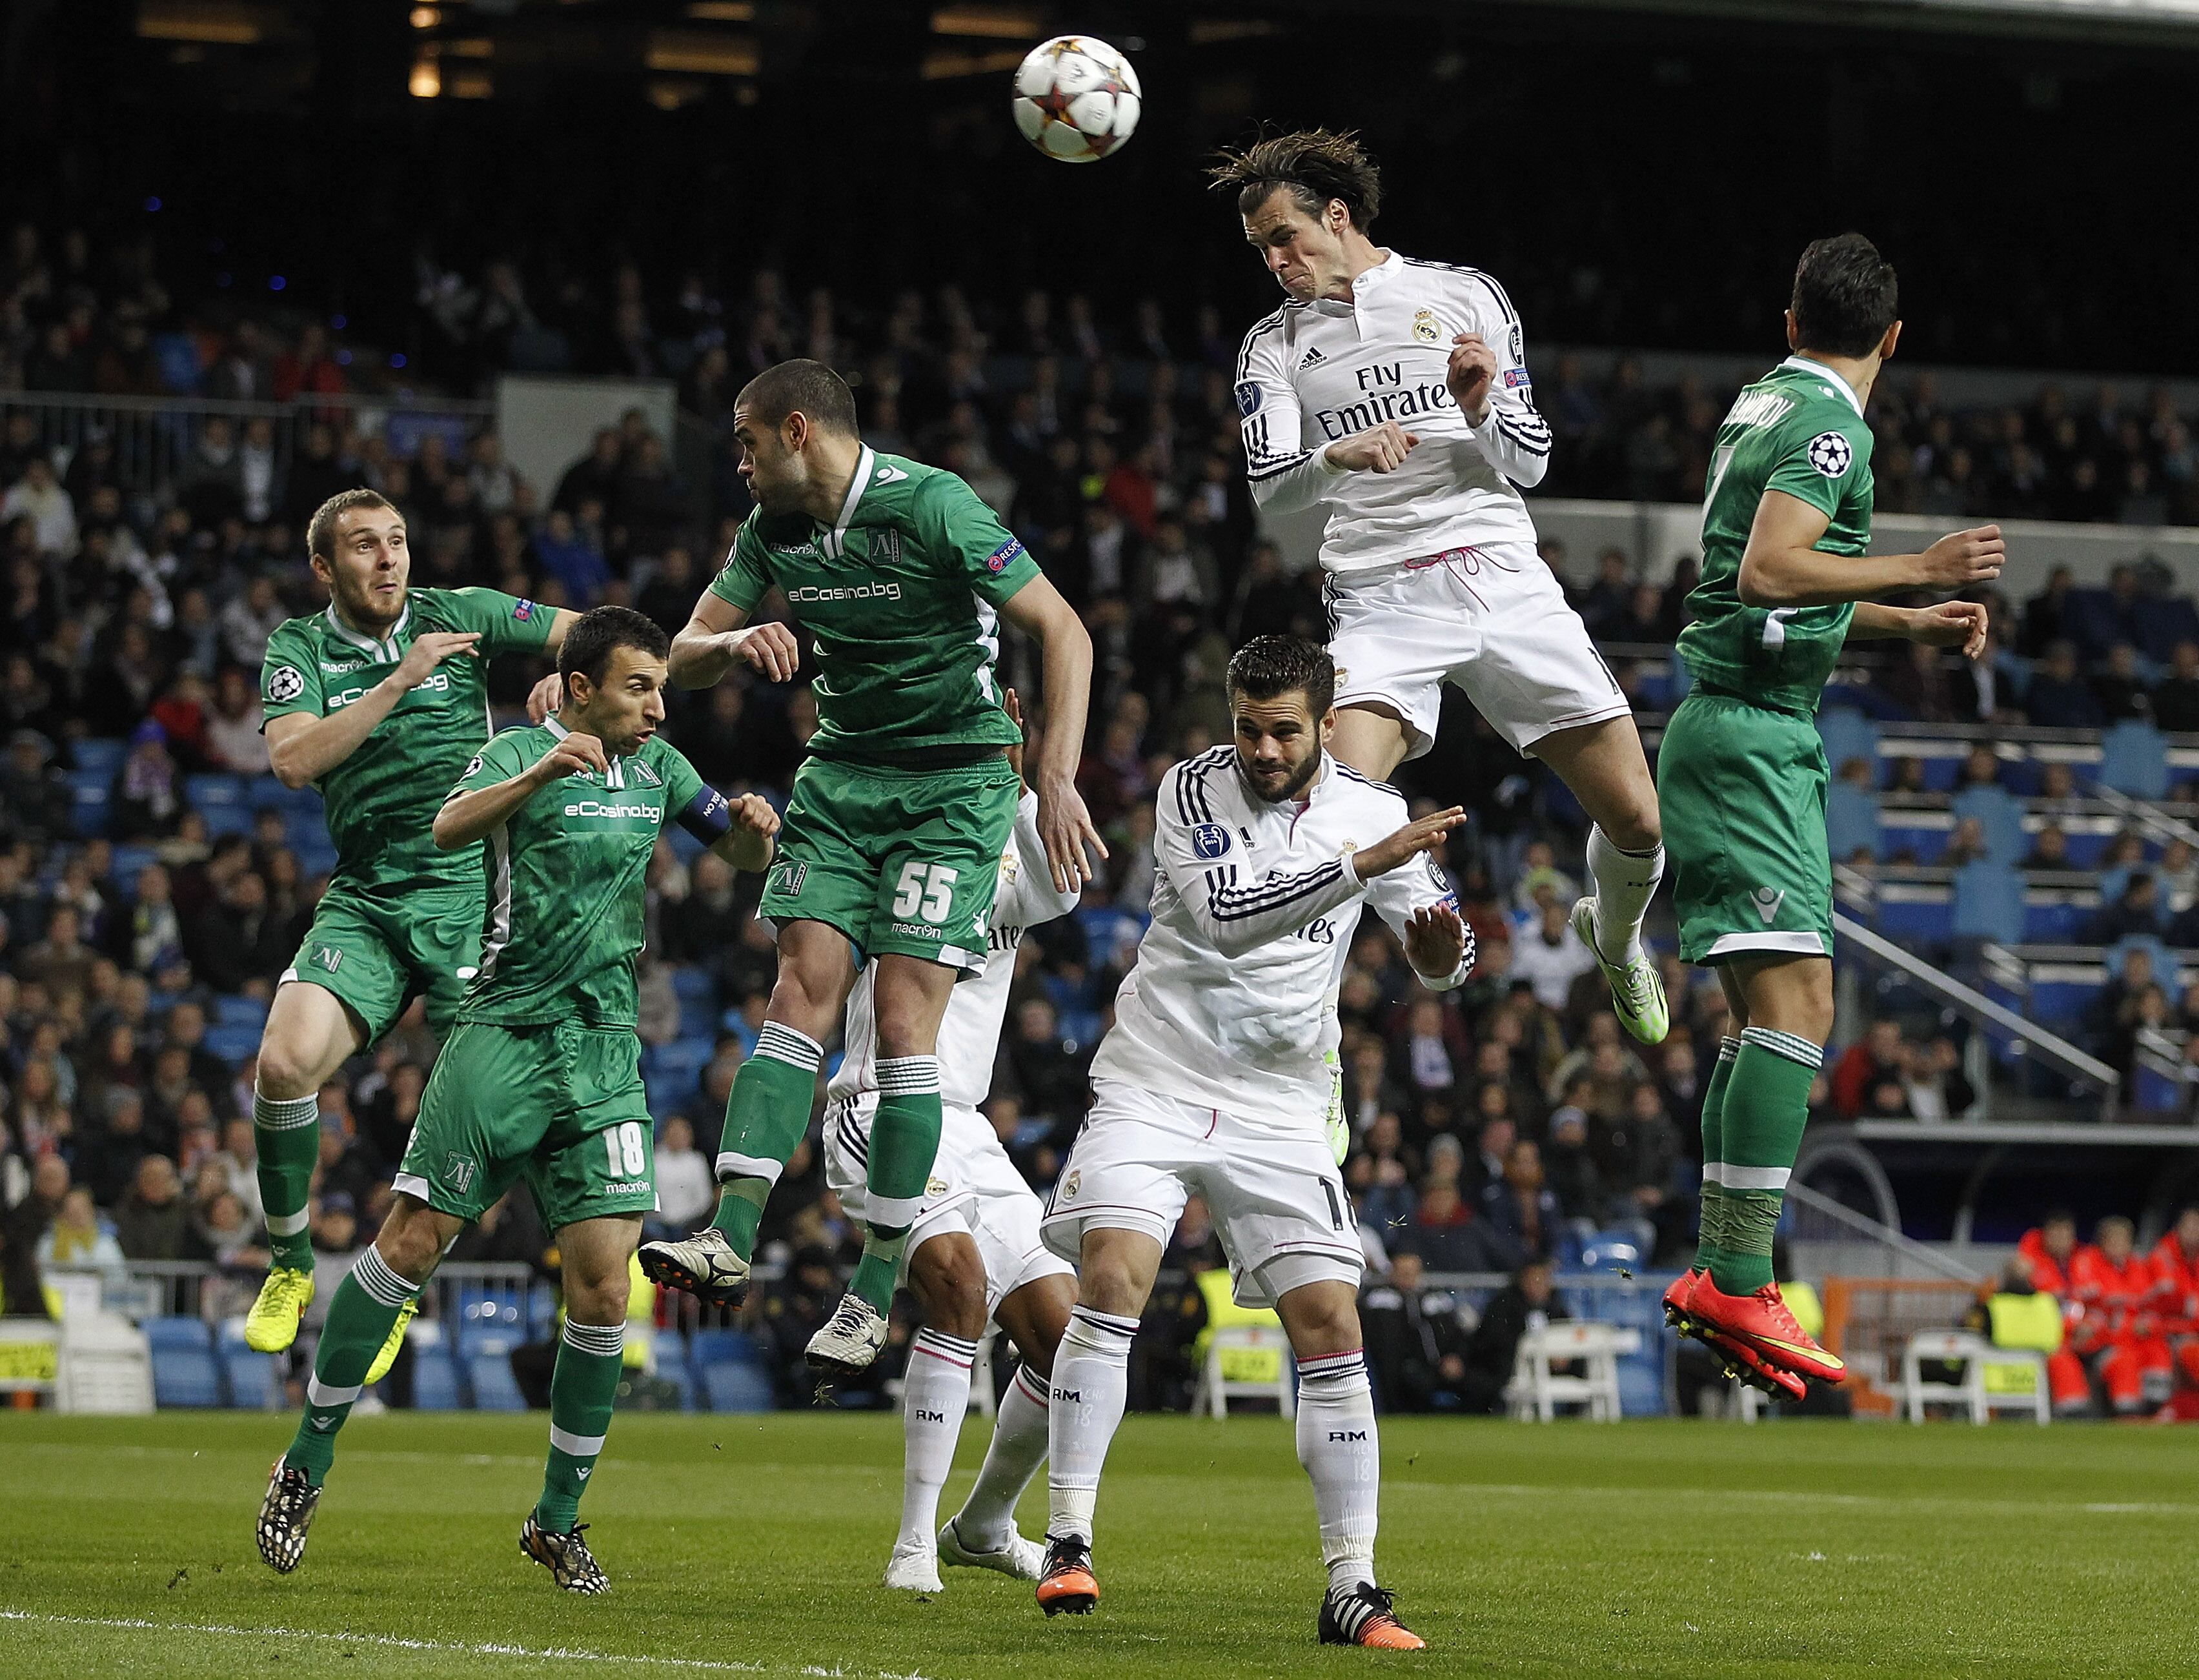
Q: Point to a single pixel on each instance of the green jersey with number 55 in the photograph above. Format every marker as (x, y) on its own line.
(1801, 431)
(900, 595)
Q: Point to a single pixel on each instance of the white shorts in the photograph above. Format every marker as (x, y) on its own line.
(1277, 1201)
(1493, 620)
(974, 1188)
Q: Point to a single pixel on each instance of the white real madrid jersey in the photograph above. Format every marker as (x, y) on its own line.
(1231, 1004)
(1313, 374)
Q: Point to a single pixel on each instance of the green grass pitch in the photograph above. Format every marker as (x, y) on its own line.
(755, 1545)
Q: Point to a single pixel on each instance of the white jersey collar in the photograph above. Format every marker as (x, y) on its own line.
(1820, 370)
(836, 544)
(384, 647)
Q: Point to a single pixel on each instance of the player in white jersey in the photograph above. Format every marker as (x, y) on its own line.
(1396, 393)
(974, 1252)
(1215, 1081)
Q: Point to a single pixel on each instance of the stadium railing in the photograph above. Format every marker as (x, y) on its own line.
(156, 438)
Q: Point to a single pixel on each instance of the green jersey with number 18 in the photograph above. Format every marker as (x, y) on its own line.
(381, 801)
(899, 594)
(1799, 429)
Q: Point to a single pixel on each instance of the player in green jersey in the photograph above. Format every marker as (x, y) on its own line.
(378, 700)
(541, 1075)
(1786, 583)
(897, 820)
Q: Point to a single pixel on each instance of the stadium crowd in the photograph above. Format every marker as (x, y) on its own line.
(150, 901)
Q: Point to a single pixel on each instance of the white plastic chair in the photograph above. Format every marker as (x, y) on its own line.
(1537, 1390)
(1215, 1391)
(1973, 1391)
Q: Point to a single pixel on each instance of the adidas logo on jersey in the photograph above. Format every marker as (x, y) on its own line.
(1312, 357)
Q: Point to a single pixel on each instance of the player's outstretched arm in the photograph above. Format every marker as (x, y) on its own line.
(1066, 658)
(470, 813)
(301, 749)
(549, 694)
(1951, 624)
(719, 636)
(1783, 568)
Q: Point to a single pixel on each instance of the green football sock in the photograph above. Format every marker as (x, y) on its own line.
(904, 1145)
(1767, 1104)
(582, 1386)
(1712, 1213)
(766, 1113)
(366, 1304)
(286, 1133)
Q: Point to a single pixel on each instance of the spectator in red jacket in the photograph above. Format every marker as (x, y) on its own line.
(1868, 1063)
(2050, 1250)
(2120, 1338)
(2176, 1291)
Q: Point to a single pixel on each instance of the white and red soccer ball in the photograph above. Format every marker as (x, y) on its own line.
(1076, 98)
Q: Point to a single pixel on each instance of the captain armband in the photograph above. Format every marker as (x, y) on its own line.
(709, 816)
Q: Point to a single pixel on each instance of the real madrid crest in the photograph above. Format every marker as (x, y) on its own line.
(1425, 328)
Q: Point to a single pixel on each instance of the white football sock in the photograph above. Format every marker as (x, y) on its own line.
(1625, 884)
(988, 1516)
(933, 1403)
(1091, 1381)
(1342, 1453)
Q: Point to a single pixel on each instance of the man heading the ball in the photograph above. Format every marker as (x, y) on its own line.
(1395, 393)
(1786, 584)
(898, 819)
(379, 701)
(541, 1077)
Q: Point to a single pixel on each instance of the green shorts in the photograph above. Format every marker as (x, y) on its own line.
(903, 862)
(1742, 790)
(379, 954)
(562, 1103)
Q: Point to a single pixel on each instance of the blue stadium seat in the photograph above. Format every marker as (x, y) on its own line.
(671, 1070)
(204, 792)
(255, 1382)
(721, 1347)
(131, 862)
(100, 755)
(2002, 817)
(93, 804)
(738, 1388)
(241, 1011)
(2059, 923)
(697, 992)
(193, 1335)
(186, 1376)
(1851, 821)
(226, 820)
(1916, 914)
(233, 1041)
(436, 1380)
(1989, 903)
(495, 1389)
(2134, 759)
(1847, 733)
(681, 1376)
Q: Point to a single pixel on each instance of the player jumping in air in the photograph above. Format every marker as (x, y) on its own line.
(379, 700)
(898, 819)
(1215, 1081)
(1741, 771)
(974, 1253)
(541, 1076)
(1395, 391)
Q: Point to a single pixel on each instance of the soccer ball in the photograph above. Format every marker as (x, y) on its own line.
(1076, 99)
